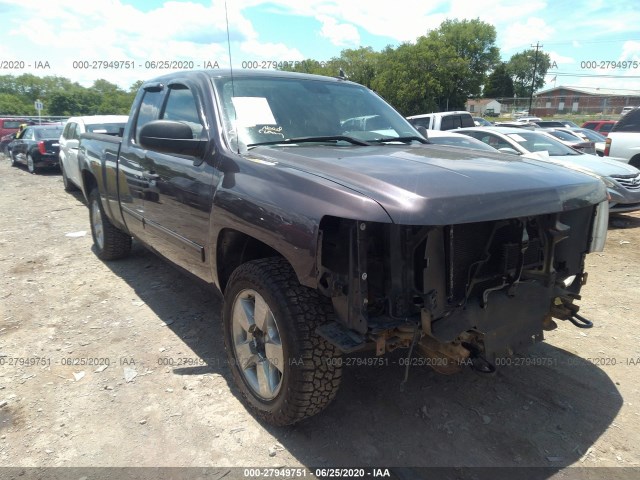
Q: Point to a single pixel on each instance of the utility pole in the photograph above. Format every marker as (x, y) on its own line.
(533, 80)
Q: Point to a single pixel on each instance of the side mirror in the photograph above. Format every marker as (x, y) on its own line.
(423, 131)
(169, 136)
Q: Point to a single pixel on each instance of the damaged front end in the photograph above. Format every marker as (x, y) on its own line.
(466, 294)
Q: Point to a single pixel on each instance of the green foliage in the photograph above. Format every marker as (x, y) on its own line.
(521, 67)
(440, 71)
(499, 83)
(11, 104)
(61, 96)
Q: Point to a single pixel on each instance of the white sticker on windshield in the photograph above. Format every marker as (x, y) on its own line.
(517, 138)
(252, 111)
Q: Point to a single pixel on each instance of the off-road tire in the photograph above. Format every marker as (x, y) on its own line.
(68, 184)
(110, 242)
(312, 367)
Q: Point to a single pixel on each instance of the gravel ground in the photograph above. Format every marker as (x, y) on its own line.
(122, 364)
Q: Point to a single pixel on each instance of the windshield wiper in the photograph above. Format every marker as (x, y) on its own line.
(329, 138)
(400, 139)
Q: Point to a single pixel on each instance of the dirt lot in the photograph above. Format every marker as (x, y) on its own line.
(122, 364)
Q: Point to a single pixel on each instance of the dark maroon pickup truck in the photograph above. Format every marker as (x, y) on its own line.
(331, 225)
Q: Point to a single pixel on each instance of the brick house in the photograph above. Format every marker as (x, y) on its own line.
(583, 100)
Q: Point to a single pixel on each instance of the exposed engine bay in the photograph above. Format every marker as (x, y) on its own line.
(465, 294)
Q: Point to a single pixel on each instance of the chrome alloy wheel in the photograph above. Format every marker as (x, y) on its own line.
(96, 222)
(257, 345)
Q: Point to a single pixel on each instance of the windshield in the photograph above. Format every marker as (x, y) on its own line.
(262, 110)
(537, 142)
(569, 137)
(592, 135)
(48, 133)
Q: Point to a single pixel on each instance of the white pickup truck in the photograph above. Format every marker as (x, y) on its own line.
(623, 142)
(442, 120)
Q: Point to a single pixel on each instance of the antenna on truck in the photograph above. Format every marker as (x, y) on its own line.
(233, 90)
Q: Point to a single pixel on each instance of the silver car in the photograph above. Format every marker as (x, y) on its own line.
(622, 180)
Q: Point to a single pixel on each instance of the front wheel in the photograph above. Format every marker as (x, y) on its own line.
(68, 184)
(14, 161)
(285, 371)
(31, 165)
(110, 242)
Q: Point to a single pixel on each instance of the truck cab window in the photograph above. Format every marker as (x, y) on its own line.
(149, 110)
(181, 107)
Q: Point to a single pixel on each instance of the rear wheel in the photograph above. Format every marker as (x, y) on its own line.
(110, 242)
(31, 166)
(285, 371)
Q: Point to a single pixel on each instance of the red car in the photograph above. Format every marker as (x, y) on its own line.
(603, 127)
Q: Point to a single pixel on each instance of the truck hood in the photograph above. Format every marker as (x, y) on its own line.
(436, 185)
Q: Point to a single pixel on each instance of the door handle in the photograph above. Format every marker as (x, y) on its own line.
(150, 176)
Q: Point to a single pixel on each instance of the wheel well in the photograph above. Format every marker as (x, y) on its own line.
(236, 248)
(635, 161)
(89, 182)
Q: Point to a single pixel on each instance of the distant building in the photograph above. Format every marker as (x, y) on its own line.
(583, 100)
(481, 105)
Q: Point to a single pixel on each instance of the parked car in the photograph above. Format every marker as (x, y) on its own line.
(626, 110)
(572, 140)
(622, 181)
(11, 125)
(481, 122)
(603, 127)
(567, 123)
(442, 120)
(624, 139)
(527, 120)
(4, 143)
(549, 124)
(38, 147)
(453, 139)
(589, 135)
(325, 240)
(70, 138)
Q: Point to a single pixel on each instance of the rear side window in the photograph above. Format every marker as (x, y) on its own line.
(629, 123)
(467, 121)
(421, 122)
(448, 123)
(590, 125)
(606, 127)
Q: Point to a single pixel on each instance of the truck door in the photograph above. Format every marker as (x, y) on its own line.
(133, 164)
(177, 205)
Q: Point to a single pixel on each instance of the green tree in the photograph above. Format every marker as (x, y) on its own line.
(359, 65)
(475, 53)
(499, 83)
(521, 67)
(11, 104)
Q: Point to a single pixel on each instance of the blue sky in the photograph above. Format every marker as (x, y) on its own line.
(66, 36)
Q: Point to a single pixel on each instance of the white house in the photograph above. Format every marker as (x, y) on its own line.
(481, 105)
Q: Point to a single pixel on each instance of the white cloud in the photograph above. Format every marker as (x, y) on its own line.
(340, 34)
(630, 51)
(560, 59)
(521, 36)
